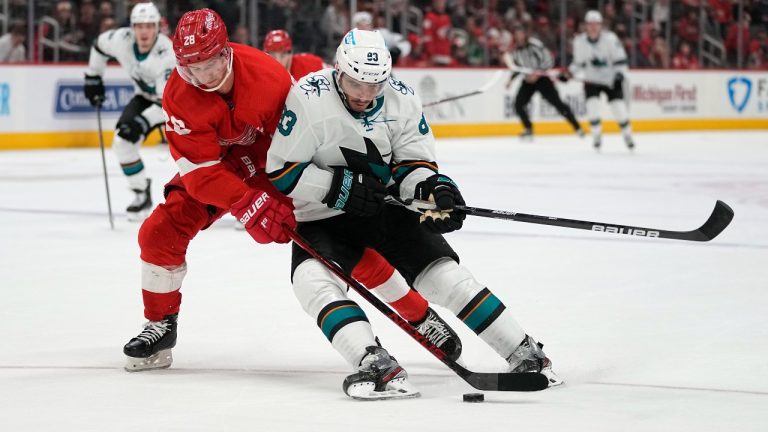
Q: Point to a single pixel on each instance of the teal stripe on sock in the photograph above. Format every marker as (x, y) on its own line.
(482, 312)
(133, 169)
(337, 316)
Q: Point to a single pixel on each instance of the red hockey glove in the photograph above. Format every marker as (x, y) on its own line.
(263, 216)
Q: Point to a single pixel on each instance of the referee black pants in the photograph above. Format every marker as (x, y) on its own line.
(546, 87)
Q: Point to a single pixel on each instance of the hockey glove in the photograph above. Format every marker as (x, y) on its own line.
(131, 130)
(618, 81)
(355, 193)
(441, 190)
(94, 89)
(263, 216)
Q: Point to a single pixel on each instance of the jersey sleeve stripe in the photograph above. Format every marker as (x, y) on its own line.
(402, 169)
(98, 50)
(186, 166)
(286, 178)
(620, 62)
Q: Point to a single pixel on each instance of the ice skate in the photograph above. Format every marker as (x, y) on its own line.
(139, 209)
(440, 334)
(151, 349)
(596, 144)
(526, 135)
(580, 133)
(379, 377)
(529, 357)
(630, 143)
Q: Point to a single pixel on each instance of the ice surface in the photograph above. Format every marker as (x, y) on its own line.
(650, 335)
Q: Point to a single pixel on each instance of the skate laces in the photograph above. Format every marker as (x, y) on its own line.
(377, 360)
(527, 357)
(153, 331)
(434, 329)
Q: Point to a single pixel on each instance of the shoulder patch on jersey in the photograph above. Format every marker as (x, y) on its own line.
(399, 86)
(315, 84)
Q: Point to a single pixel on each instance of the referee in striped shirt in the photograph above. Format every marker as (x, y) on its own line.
(530, 53)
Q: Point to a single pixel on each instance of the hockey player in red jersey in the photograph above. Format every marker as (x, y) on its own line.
(218, 134)
(279, 45)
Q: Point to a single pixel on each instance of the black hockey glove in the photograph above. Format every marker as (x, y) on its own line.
(355, 193)
(618, 81)
(94, 89)
(131, 130)
(441, 190)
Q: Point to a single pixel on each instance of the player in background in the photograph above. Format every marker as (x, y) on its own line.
(530, 53)
(397, 44)
(373, 270)
(279, 45)
(218, 134)
(147, 57)
(599, 55)
(345, 134)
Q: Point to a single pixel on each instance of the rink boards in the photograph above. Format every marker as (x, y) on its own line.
(44, 107)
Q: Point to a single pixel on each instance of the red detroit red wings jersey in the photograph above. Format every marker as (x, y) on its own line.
(303, 64)
(200, 125)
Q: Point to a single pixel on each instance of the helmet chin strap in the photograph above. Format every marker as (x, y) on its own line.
(229, 72)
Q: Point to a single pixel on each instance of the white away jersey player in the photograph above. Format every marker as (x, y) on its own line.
(149, 71)
(391, 141)
(600, 60)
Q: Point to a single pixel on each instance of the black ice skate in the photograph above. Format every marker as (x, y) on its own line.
(151, 349)
(529, 357)
(526, 135)
(139, 209)
(596, 144)
(379, 376)
(630, 143)
(440, 334)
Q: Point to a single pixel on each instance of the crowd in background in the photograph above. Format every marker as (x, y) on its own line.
(447, 33)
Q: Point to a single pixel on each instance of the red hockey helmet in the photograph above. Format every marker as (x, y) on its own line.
(200, 35)
(278, 41)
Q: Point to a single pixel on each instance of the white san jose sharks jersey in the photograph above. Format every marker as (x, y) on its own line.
(599, 60)
(149, 71)
(391, 141)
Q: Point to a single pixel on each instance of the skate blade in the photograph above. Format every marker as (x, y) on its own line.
(138, 216)
(552, 377)
(396, 389)
(160, 360)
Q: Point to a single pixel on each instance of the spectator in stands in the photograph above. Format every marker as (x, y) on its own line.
(722, 12)
(334, 25)
(684, 59)
(241, 35)
(757, 59)
(88, 22)
(660, 53)
(12, 48)
(106, 9)
(688, 27)
(436, 34)
(396, 44)
(732, 46)
(660, 15)
(107, 23)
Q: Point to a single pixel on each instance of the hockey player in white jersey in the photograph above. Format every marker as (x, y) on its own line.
(147, 56)
(600, 58)
(345, 135)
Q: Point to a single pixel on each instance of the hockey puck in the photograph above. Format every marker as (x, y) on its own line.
(474, 397)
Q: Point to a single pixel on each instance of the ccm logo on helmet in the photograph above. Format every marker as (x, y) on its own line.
(254, 208)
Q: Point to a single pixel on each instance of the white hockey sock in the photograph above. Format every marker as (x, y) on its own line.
(593, 114)
(620, 112)
(351, 341)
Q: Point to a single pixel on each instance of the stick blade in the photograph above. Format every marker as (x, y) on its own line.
(720, 218)
(518, 382)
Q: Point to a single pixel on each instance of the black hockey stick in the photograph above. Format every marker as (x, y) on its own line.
(104, 165)
(481, 90)
(719, 219)
(488, 381)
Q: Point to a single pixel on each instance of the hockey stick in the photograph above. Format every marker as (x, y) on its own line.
(104, 166)
(481, 90)
(719, 219)
(489, 381)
